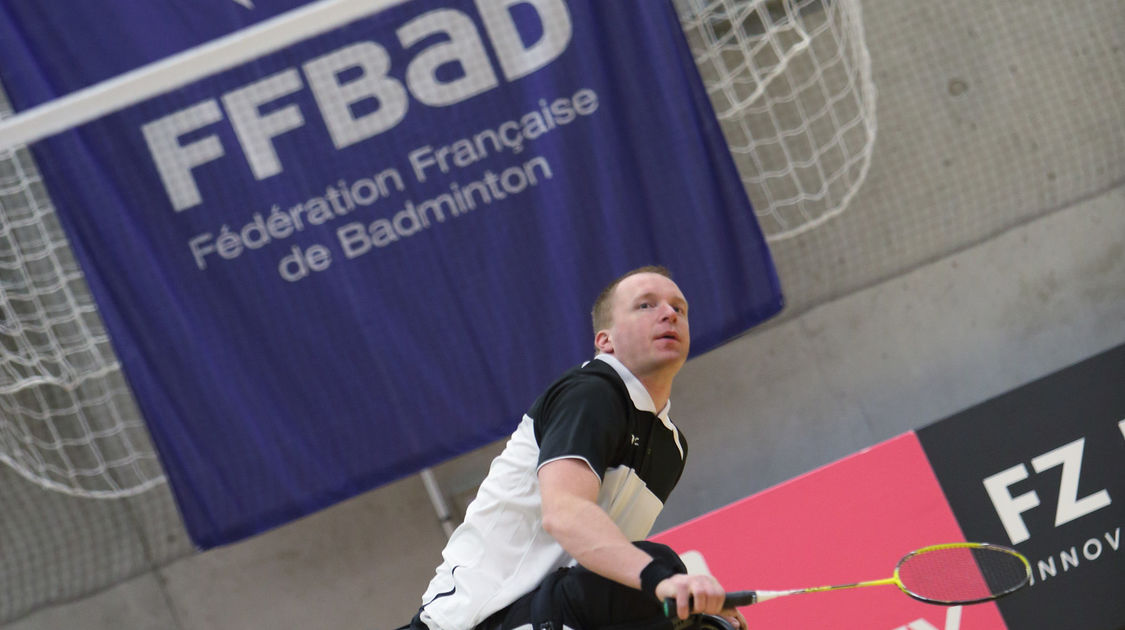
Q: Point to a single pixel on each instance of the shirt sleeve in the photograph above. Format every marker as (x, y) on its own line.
(583, 418)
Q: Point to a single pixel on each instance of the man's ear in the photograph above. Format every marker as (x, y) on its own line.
(603, 342)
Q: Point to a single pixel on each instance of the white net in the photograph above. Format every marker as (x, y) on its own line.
(790, 81)
(67, 418)
(68, 422)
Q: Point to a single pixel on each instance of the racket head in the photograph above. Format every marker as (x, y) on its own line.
(962, 573)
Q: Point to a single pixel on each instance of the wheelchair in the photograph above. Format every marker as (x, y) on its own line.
(700, 621)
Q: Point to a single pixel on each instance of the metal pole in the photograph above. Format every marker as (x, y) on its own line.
(438, 499)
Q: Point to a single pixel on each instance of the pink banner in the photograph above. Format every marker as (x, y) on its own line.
(850, 521)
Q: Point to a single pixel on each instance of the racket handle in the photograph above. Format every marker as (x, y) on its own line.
(733, 600)
(738, 599)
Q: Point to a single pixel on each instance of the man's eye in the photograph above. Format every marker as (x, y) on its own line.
(645, 305)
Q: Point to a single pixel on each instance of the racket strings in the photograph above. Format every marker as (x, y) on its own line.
(961, 574)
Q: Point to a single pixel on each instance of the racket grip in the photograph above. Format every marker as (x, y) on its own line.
(733, 600)
(738, 599)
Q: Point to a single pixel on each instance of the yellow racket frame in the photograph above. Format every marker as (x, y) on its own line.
(895, 580)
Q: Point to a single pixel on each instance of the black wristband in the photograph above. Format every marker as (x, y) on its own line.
(656, 572)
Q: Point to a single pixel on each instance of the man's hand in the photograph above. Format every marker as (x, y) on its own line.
(693, 593)
(705, 594)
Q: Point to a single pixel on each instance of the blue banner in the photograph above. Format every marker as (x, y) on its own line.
(337, 264)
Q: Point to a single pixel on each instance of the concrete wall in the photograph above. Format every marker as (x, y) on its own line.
(920, 344)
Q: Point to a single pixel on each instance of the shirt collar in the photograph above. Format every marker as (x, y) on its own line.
(642, 400)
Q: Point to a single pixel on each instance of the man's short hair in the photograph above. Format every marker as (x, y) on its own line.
(602, 313)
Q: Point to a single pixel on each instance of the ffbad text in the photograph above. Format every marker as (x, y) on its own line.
(257, 112)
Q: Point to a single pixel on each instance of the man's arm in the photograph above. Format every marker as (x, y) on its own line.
(571, 515)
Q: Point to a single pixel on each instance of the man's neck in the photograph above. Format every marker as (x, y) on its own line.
(657, 385)
(659, 388)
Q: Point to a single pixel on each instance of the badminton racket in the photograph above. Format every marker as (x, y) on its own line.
(949, 574)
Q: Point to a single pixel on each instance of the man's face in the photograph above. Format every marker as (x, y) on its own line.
(650, 326)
